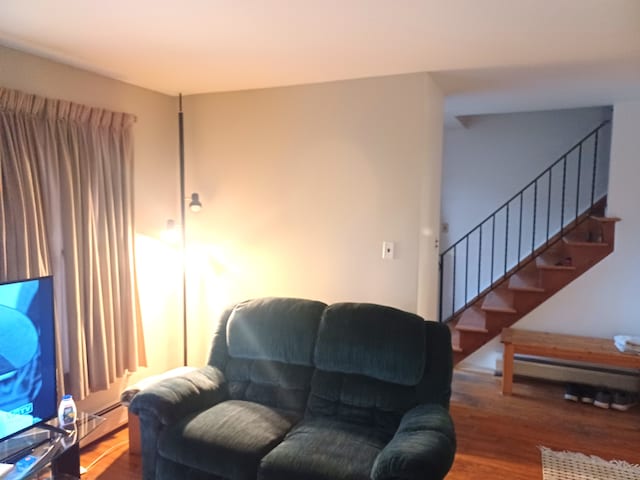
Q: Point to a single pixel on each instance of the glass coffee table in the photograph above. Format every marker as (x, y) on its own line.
(48, 452)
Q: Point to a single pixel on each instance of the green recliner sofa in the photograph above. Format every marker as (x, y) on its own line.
(296, 389)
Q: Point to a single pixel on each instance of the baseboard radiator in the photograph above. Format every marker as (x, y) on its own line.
(561, 371)
(115, 417)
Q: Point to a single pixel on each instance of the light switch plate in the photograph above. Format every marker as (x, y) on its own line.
(388, 250)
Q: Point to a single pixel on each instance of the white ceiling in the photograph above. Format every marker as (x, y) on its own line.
(487, 55)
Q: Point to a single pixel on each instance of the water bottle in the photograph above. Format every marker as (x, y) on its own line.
(67, 412)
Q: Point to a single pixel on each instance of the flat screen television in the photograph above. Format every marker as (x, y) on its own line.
(28, 391)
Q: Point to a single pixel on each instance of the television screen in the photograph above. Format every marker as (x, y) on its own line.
(28, 394)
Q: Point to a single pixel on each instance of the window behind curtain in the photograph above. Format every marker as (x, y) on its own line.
(67, 209)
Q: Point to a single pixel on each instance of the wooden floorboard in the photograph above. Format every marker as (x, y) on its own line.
(109, 459)
(498, 436)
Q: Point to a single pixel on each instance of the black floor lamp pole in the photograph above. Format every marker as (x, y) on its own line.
(183, 230)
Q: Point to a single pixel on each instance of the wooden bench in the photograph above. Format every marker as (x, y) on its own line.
(556, 345)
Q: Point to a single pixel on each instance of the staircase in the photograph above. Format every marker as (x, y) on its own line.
(484, 289)
(524, 289)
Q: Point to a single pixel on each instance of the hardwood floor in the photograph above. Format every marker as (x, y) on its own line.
(498, 436)
(109, 459)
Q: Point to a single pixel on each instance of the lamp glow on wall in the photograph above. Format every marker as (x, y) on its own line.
(171, 233)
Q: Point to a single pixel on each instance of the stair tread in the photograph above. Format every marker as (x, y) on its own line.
(499, 300)
(525, 281)
(550, 262)
(598, 218)
(472, 320)
(455, 341)
(578, 242)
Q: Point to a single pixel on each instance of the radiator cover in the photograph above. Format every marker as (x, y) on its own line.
(574, 372)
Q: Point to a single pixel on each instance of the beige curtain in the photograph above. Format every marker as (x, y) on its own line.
(67, 210)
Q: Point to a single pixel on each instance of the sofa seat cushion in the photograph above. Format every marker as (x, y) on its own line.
(228, 439)
(324, 449)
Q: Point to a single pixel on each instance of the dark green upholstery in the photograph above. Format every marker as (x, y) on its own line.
(171, 400)
(236, 433)
(270, 344)
(295, 389)
(371, 340)
(359, 399)
(271, 383)
(323, 449)
(176, 397)
(276, 329)
(378, 373)
(423, 446)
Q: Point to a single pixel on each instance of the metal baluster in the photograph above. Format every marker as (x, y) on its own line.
(578, 187)
(453, 292)
(493, 245)
(479, 259)
(535, 214)
(564, 185)
(549, 205)
(466, 270)
(506, 240)
(520, 228)
(595, 157)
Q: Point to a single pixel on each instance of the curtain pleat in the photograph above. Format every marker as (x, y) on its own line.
(24, 245)
(67, 200)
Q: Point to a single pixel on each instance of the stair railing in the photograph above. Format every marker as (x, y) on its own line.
(508, 237)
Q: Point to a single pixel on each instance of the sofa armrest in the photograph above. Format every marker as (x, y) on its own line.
(170, 399)
(423, 447)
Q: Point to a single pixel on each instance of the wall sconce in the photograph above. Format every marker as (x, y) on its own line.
(195, 204)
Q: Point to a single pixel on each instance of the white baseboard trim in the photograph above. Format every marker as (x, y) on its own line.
(535, 367)
(115, 417)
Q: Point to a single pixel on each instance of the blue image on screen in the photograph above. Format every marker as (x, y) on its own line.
(28, 393)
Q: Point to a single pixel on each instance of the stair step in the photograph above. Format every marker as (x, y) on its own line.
(472, 320)
(552, 262)
(500, 301)
(577, 241)
(455, 341)
(605, 219)
(525, 281)
(463, 343)
(558, 262)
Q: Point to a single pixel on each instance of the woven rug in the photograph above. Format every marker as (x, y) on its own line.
(578, 466)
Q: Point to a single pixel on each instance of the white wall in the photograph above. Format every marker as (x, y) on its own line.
(300, 187)
(156, 194)
(495, 156)
(602, 301)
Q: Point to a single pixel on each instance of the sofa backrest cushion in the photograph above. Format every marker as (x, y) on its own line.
(269, 345)
(274, 329)
(374, 363)
(372, 340)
